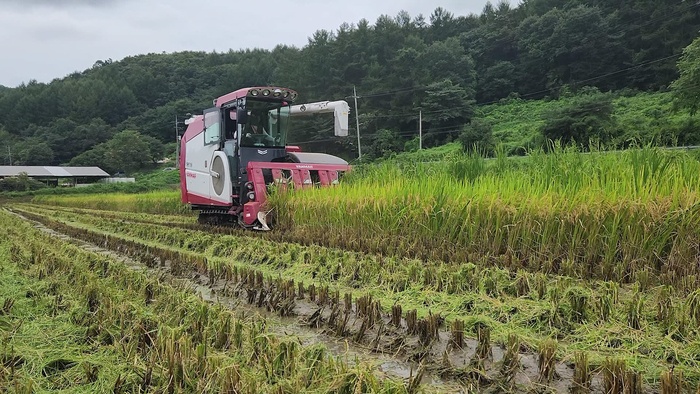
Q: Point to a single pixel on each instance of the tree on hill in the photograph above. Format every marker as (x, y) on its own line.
(97, 156)
(384, 143)
(33, 152)
(127, 151)
(686, 89)
(446, 107)
(440, 62)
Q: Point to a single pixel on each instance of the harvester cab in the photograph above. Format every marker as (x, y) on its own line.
(235, 150)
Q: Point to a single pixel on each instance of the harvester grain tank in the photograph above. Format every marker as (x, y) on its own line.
(235, 150)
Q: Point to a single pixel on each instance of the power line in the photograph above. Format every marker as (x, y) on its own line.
(630, 68)
(452, 129)
(624, 30)
(314, 141)
(538, 92)
(379, 94)
(387, 93)
(323, 126)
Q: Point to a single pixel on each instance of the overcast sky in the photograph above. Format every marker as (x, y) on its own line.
(47, 39)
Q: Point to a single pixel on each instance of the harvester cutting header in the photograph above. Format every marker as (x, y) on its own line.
(236, 149)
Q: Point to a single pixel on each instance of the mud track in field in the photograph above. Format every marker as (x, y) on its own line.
(390, 349)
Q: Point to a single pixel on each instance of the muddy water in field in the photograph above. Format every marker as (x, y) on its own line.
(448, 369)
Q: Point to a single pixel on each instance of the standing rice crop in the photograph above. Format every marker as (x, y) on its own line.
(159, 202)
(629, 216)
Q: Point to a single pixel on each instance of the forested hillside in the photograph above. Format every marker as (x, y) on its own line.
(446, 65)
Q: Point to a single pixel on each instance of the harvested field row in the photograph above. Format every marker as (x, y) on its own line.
(77, 321)
(597, 317)
(461, 360)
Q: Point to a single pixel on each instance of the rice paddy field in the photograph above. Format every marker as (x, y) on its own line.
(158, 202)
(77, 321)
(558, 272)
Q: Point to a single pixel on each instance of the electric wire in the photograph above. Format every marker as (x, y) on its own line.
(440, 130)
(629, 28)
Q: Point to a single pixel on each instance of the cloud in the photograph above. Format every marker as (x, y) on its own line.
(59, 3)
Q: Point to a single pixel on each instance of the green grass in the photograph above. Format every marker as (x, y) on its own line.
(642, 117)
(600, 215)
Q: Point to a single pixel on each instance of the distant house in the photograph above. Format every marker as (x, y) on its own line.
(56, 175)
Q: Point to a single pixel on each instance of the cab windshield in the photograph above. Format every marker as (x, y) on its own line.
(267, 124)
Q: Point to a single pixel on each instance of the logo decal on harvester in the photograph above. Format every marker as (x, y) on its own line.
(303, 166)
(262, 152)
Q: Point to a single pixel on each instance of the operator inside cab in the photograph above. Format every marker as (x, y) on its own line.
(255, 132)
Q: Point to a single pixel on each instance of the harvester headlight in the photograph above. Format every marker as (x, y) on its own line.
(285, 94)
(294, 96)
(249, 185)
(266, 92)
(251, 196)
(254, 92)
(277, 93)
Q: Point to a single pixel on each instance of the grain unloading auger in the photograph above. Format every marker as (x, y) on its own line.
(232, 153)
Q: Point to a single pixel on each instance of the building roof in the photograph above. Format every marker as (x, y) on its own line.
(53, 172)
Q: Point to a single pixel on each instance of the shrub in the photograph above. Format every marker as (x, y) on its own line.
(20, 183)
(384, 143)
(477, 136)
(585, 118)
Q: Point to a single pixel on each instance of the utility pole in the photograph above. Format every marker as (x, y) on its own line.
(9, 153)
(357, 123)
(177, 145)
(420, 130)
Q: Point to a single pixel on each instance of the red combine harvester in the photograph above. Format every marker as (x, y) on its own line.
(236, 149)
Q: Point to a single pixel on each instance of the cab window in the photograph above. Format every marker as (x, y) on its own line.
(212, 127)
(266, 125)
